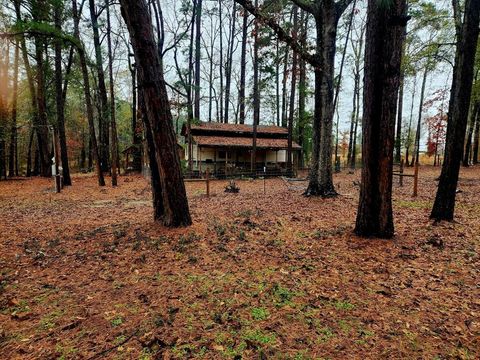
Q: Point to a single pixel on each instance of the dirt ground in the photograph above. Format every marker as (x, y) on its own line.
(87, 274)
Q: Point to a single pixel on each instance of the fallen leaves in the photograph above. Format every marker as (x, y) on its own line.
(87, 272)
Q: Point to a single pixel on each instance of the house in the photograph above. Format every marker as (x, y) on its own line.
(226, 149)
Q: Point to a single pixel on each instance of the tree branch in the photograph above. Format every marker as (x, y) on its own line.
(341, 6)
(280, 32)
(306, 5)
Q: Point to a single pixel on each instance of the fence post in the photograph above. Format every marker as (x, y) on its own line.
(415, 180)
(264, 179)
(207, 175)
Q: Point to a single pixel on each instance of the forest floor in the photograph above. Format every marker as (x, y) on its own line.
(87, 274)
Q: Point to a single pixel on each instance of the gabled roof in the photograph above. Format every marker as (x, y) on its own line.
(235, 129)
(243, 142)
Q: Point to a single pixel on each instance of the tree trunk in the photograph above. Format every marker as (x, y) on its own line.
(157, 197)
(228, 70)
(38, 15)
(278, 116)
(416, 156)
(103, 123)
(382, 80)
(136, 135)
(468, 146)
(292, 96)
(220, 16)
(256, 93)
(159, 116)
(88, 101)
(13, 153)
(4, 56)
(113, 121)
(476, 141)
(210, 74)
(190, 111)
(302, 95)
(444, 206)
(67, 181)
(398, 139)
(243, 67)
(321, 176)
(198, 54)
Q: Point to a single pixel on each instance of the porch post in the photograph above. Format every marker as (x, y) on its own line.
(215, 161)
(199, 151)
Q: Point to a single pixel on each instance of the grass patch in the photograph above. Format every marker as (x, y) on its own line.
(259, 314)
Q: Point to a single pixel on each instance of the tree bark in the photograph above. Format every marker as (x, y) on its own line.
(67, 181)
(113, 121)
(444, 206)
(468, 145)
(385, 25)
(38, 15)
(228, 70)
(220, 17)
(198, 54)
(243, 67)
(321, 175)
(476, 141)
(398, 139)
(13, 152)
(416, 155)
(292, 96)
(88, 101)
(157, 197)
(4, 56)
(159, 116)
(103, 123)
(302, 94)
(256, 93)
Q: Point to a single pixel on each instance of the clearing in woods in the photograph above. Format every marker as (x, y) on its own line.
(87, 274)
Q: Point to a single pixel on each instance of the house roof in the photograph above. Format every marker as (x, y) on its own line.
(242, 142)
(235, 128)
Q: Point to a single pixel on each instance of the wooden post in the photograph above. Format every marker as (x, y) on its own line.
(415, 180)
(401, 171)
(56, 160)
(199, 152)
(264, 180)
(215, 162)
(207, 180)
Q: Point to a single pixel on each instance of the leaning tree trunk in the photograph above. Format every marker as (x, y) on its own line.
(385, 25)
(159, 116)
(444, 206)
